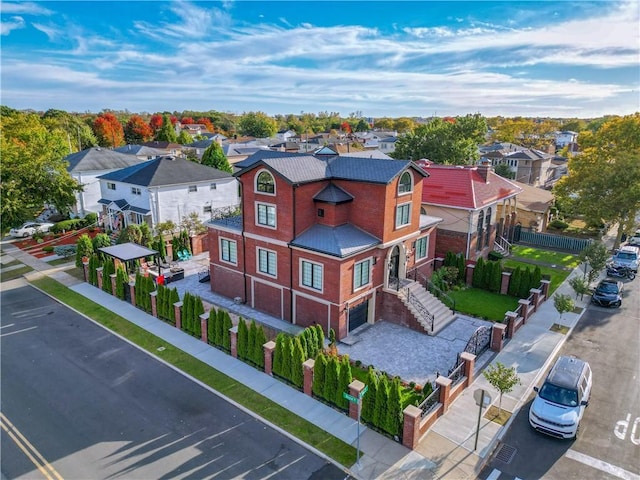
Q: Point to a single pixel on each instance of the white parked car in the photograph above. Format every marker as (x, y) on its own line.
(30, 228)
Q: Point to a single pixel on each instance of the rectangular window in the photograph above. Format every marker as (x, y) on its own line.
(207, 209)
(312, 275)
(266, 215)
(403, 215)
(228, 251)
(361, 274)
(213, 186)
(267, 262)
(136, 191)
(321, 212)
(421, 248)
(193, 188)
(111, 186)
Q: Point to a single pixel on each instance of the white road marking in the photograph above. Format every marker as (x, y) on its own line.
(602, 466)
(494, 475)
(17, 331)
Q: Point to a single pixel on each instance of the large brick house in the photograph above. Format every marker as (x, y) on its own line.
(323, 239)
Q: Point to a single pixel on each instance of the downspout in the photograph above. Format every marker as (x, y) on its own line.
(291, 257)
(469, 234)
(244, 244)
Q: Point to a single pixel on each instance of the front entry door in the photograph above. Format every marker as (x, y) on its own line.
(358, 315)
(394, 266)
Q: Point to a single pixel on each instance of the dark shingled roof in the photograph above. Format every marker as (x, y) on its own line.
(333, 194)
(234, 222)
(165, 171)
(97, 159)
(342, 241)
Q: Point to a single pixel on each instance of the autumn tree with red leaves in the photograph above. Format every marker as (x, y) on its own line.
(137, 131)
(187, 121)
(108, 130)
(155, 122)
(345, 127)
(206, 122)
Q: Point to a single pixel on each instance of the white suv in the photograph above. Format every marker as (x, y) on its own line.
(560, 402)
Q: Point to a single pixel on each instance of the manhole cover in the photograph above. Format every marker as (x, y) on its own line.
(506, 453)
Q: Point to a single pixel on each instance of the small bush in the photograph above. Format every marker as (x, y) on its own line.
(67, 225)
(559, 225)
(48, 248)
(65, 251)
(495, 255)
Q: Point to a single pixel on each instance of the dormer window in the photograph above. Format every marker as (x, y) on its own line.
(265, 183)
(405, 185)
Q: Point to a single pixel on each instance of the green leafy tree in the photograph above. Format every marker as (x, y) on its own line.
(382, 399)
(394, 408)
(84, 248)
(94, 262)
(514, 282)
(504, 171)
(122, 280)
(214, 157)
(319, 373)
(502, 378)
(78, 133)
(101, 240)
(260, 340)
(580, 285)
(563, 304)
(226, 331)
(478, 273)
(320, 337)
(344, 379)
(297, 358)
(243, 339)
(174, 298)
(445, 142)
(331, 379)
(213, 335)
(184, 138)
(594, 258)
(257, 124)
(131, 233)
(525, 283)
(167, 132)
(107, 269)
(369, 400)
(287, 353)
(278, 361)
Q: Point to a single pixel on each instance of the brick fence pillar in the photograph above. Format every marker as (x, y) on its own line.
(504, 284)
(510, 318)
(132, 292)
(469, 360)
(269, 348)
(411, 426)
(234, 341)
(524, 309)
(113, 284)
(438, 262)
(544, 286)
(154, 303)
(445, 392)
(308, 376)
(99, 275)
(204, 327)
(469, 274)
(537, 298)
(355, 388)
(177, 310)
(497, 336)
(85, 268)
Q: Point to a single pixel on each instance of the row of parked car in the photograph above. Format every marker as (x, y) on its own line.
(30, 228)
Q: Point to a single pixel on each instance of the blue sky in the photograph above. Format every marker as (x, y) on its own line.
(401, 58)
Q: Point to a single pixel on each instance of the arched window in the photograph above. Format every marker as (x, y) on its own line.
(265, 183)
(487, 223)
(479, 236)
(405, 185)
(423, 211)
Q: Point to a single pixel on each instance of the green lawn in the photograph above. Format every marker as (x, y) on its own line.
(62, 261)
(556, 275)
(11, 274)
(482, 303)
(333, 447)
(549, 257)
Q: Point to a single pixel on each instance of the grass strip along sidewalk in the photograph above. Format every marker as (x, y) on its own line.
(331, 446)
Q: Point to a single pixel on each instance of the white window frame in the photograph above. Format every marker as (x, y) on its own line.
(231, 253)
(207, 209)
(255, 187)
(399, 210)
(316, 284)
(111, 186)
(410, 183)
(275, 216)
(357, 274)
(425, 241)
(213, 186)
(192, 188)
(136, 191)
(268, 255)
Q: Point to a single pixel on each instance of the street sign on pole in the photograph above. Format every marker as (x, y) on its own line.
(351, 398)
(364, 390)
(483, 399)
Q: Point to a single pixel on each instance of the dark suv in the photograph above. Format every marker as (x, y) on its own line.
(608, 293)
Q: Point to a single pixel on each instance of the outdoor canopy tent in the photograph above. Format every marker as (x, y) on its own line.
(128, 252)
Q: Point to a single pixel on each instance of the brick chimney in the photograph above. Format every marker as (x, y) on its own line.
(484, 168)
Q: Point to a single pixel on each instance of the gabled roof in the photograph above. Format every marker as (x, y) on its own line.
(464, 186)
(299, 168)
(333, 194)
(99, 159)
(162, 145)
(342, 241)
(534, 199)
(165, 171)
(140, 150)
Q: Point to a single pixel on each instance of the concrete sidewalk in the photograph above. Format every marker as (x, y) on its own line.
(446, 451)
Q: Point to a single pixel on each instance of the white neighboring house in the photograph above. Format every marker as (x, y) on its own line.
(167, 188)
(86, 166)
(565, 138)
(141, 151)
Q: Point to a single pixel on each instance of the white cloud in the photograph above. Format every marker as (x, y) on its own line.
(25, 8)
(15, 23)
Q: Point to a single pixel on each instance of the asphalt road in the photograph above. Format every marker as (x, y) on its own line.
(608, 444)
(80, 403)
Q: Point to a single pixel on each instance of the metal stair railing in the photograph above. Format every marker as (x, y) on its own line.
(412, 300)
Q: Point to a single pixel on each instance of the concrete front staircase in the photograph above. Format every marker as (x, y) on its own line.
(418, 300)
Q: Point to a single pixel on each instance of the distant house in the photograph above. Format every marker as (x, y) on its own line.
(533, 208)
(168, 148)
(194, 129)
(467, 200)
(285, 135)
(326, 239)
(141, 151)
(528, 165)
(86, 166)
(565, 137)
(387, 144)
(167, 188)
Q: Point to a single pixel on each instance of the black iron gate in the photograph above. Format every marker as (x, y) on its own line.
(358, 315)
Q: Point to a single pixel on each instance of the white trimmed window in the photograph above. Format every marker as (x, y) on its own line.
(136, 191)
(266, 215)
(267, 262)
(403, 215)
(265, 183)
(311, 275)
(421, 248)
(111, 186)
(193, 188)
(207, 209)
(361, 274)
(405, 185)
(228, 251)
(213, 186)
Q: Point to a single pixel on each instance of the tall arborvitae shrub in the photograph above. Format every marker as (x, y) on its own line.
(344, 379)
(186, 312)
(297, 359)
(495, 280)
(514, 282)
(319, 372)
(536, 277)
(173, 298)
(303, 343)
(261, 339)
(320, 338)
(449, 260)
(94, 263)
(198, 310)
(331, 379)
(218, 333)
(382, 394)
(84, 248)
(478, 273)
(213, 328)
(287, 352)
(278, 355)
(243, 339)
(122, 280)
(394, 408)
(369, 399)
(107, 270)
(226, 331)
(462, 270)
(524, 283)
(312, 342)
(251, 342)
